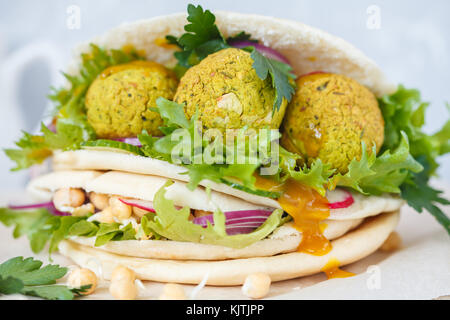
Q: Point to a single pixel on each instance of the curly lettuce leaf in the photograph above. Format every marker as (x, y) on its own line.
(375, 175)
(316, 176)
(174, 224)
(404, 111)
(174, 118)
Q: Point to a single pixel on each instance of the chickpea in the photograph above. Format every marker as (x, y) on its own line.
(392, 243)
(256, 285)
(82, 277)
(119, 209)
(68, 197)
(123, 286)
(122, 273)
(83, 210)
(172, 291)
(99, 200)
(106, 216)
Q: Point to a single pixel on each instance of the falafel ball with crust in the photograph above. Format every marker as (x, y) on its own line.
(328, 118)
(118, 101)
(228, 93)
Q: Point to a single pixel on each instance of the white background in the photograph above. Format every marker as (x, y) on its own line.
(411, 46)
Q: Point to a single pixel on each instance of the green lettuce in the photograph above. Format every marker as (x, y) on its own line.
(375, 175)
(174, 224)
(404, 112)
(41, 227)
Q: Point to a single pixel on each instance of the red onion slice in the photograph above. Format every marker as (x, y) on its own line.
(347, 202)
(238, 222)
(264, 50)
(43, 205)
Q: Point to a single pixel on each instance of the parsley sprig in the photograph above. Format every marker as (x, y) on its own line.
(28, 277)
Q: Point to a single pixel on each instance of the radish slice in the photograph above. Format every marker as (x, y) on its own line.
(264, 50)
(141, 204)
(43, 205)
(347, 202)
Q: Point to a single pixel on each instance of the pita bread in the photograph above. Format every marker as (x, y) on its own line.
(144, 187)
(130, 185)
(284, 239)
(364, 206)
(308, 49)
(349, 248)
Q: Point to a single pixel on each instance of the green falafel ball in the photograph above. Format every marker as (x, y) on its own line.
(118, 101)
(228, 93)
(328, 118)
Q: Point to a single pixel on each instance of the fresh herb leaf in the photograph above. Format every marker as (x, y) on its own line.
(279, 72)
(28, 277)
(241, 36)
(10, 285)
(419, 195)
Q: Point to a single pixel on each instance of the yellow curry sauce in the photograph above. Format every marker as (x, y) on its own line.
(307, 208)
(331, 269)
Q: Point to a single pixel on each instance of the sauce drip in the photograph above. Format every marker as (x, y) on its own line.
(331, 269)
(307, 208)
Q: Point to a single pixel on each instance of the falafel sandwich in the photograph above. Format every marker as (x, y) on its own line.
(227, 144)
